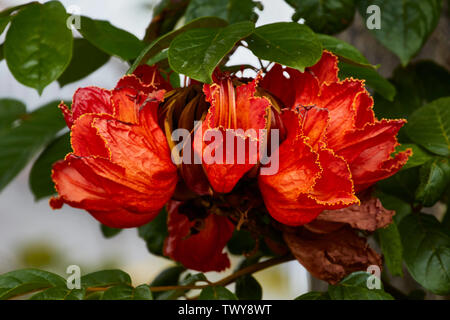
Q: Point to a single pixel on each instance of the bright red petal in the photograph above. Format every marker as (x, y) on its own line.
(91, 100)
(326, 70)
(85, 139)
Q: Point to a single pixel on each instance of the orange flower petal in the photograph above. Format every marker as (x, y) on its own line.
(198, 244)
(85, 139)
(326, 69)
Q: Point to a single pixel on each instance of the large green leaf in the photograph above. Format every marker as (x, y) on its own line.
(196, 53)
(434, 179)
(372, 77)
(105, 278)
(429, 126)
(38, 45)
(41, 183)
(405, 25)
(391, 246)
(20, 282)
(59, 293)
(354, 287)
(331, 16)
(241, 242)
(426, 251)
(155, 232)
(123, 292)
(86, 59)
(248, 288)
(418, 158)
(216, 293)
(167, 277)
(19, 144)
(10, 111)
(343, 49)
(403, 184)
(230, 10)
(164, 41)
(287, 43)
(110, 39)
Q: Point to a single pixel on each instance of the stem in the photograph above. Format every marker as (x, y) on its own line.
(231, 278)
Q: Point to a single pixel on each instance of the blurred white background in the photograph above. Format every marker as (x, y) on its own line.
(32, 234)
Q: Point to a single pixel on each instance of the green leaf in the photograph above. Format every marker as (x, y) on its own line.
(419, 157)
(241, 242)
(390, 202)
(3, 23)
(372, 77)
(354, 287)
(196, 53)
(164, 41)
(391, 246)
(405, 25)
(188, 280)
(217, 293)
(314, 295)
(331, 16)
(429, 126)
(19, 144)
(86, 58)
(342, 49)
(59, 293)
(403, 184)
(248, 288)
(10, 111)
(38, 45)
(155, 232)
(105, 278)
(168, 277)
(230, 10)
(23, 281)
(426, 251)
(110, 39)
(109, 232)
(434, 179)
(288, 43)
(124, 292)
(40, 181)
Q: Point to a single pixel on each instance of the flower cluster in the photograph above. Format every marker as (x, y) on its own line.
(330, 148)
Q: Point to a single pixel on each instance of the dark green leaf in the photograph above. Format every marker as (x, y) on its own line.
(216, 293)
(110, 39)
(188, 280)
(391, 246)
(402, 185)
(109, 232)
(155, 232)
(19, 144)
(429, 126)
(123, 292)
(168, 277)
(86, 58)
(20, 282)
(331, 16)
(419, 157)
(314, 295)
(40, 180)
(38, 45)
(287, 43)
(241, 242)
(164, 41)
(230, 10)
(105, 278)
(342, 49)
(354, 287)
(3, 23)
(196, 53)
(10, 111)
(405, 25)
(434, 179)
(59, 293)
(391, 202)
(434, 79)
(372, 77)
(248, 288)
(426, 251)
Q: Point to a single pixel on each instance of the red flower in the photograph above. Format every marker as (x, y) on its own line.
(197, 241)
(334, 145)
(231, 108)
(120, 169)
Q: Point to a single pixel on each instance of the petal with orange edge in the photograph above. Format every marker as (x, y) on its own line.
(85, 139)
(326, 69)
(91, 100)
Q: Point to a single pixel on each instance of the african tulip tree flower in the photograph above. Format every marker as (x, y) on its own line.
(120, 169)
